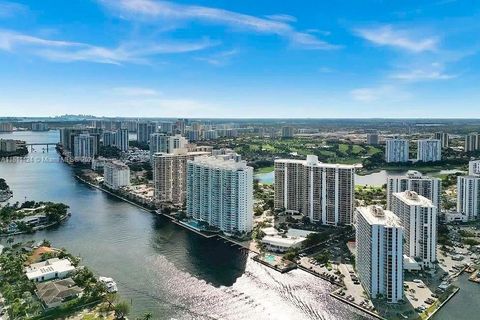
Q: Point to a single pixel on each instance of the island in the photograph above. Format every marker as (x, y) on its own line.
(5, 192)
(30, 216)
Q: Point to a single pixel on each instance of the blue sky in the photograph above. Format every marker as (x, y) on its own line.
(240, 58)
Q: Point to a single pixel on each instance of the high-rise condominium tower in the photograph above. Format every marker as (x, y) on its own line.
(379, 259)
(220, 193)
(418, 217)
(323, 192)
(396, 150)
(170, 176)
(430, 188)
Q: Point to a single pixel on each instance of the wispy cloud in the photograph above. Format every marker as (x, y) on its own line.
(404, 39)
(163, 11)
(135, 91)
(67, 51)
(9, 9)
(383, 93)
(422, 75)
(282, 17)
(220, 58)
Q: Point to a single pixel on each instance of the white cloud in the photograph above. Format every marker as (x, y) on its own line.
(282, 17)
(66, 51)
(421, 75)
(383, 93)
(135, 91)
(162, 11)
(219, 59)
(399, 38)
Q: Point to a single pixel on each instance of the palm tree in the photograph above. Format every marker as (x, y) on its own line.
(146, 316)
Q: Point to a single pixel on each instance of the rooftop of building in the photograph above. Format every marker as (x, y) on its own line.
(57, 291)
(117, 164)
(49, 266)
(222, 162)
(413, 174)
(413, 198)
(376, 215)
(314, 162)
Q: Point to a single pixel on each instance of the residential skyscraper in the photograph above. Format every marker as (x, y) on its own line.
(287, 132)
(474, 168)
(39, 126)
(116, 174)
(429, 150)
(418, 217)
(468, 196)
(108, 138)
(121, 139)
(145, 130)
(373, 139)
(472, 142)
(85, 147)
(6, 127)
(323, 192)
(220, 193)
(160, 142)
(396, 150)
(170, 175)
(379, 259)
(444, 139)
(430, 188)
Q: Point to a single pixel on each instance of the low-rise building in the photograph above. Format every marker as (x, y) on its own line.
(54, 268)
(54, 293)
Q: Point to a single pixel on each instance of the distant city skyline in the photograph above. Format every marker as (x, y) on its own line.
(240, 59)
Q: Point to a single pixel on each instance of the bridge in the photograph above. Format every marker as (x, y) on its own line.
(31, 145)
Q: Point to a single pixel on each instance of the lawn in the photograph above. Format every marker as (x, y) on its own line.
(264, 169)
(356, 149)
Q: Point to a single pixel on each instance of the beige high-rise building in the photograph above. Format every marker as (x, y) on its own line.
(170, 175)
(321, 191)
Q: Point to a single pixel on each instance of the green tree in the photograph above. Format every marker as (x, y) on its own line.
(122, 309)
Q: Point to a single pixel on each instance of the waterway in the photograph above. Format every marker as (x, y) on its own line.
(159, 266)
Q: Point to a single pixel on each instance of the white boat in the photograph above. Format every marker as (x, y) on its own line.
(109, 283)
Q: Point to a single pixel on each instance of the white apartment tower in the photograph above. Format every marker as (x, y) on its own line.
(85, 147)
(396, 150)
(468, 196)
(379, 259)
(444, 139)
(474, 168)
(472, 142)
(116, 174)
(323, 192)
(430, 188)
(170, 176)
(220, 193)
(145, 130)
(160, 142)
(419, 219)
(429, 150)
(121, 139)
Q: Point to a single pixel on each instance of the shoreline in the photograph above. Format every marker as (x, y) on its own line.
(38, 228)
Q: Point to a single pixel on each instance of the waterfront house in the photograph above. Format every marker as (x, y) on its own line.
(54, 268)
(53, 293)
